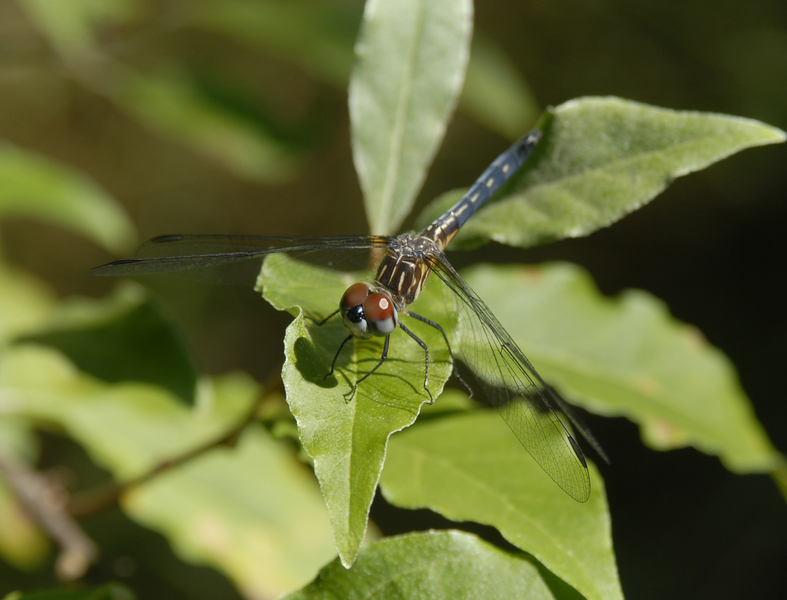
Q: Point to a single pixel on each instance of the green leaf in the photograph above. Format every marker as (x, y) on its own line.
(471, 468)
(110, 591)
(346, 436)
(411, 58)
(433, 565)
(251, 511)
(627, 356)
(25, 303)
(495, 93)
(36, 187)
(600, 159)
(124, 338)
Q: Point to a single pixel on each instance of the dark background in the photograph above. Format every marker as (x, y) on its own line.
(711, 246)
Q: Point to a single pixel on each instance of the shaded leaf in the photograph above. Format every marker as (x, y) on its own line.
(124, 338)
(471, 468)
(346, 436)
(36, 187)
(600, 159)
(432, 565)
(627, 356)
(251, 511)
(410, 61)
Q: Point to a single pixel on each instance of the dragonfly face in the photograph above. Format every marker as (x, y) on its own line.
(367, 314)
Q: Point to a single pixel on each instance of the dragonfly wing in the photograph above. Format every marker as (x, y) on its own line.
(511, 384)
(172, 253)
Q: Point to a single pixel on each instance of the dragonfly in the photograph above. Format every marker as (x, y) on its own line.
(529, 406)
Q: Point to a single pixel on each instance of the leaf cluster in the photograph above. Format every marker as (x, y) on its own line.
(114, 375)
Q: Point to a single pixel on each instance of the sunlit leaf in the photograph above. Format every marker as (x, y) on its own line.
(25, 303)
(599, 160)
(628, 356)
(410, 61)
(36, 187)
(471, 468)
(432, 565)
(251, 511)
(346, 436)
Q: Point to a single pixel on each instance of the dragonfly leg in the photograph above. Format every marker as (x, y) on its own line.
(448, 345)
(335, 358)
(324, 321)
(421, 343)
(377, 366)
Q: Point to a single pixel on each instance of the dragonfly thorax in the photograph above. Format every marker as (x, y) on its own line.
(404, 271)
(366, 313)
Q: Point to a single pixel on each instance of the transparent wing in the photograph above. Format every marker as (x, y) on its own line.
(172, 253)
(511, 384)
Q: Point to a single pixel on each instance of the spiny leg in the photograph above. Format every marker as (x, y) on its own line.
(377, 366)
(426, 360)
(448, 345)
(324, 321)
(336, 356)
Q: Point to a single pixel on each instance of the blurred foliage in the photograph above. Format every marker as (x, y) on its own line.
(230, 116)
(124, 338)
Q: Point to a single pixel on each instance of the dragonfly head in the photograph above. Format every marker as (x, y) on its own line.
(366, 313)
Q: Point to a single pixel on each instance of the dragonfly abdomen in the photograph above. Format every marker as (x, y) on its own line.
(444, 228)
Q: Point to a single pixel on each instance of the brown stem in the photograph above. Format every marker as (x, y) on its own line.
(44, 501)
(106, 496)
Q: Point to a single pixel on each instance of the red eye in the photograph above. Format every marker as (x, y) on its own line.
(354, 296)
(378, 307)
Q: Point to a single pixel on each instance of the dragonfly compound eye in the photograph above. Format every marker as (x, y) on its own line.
(354, 296)
(380, 314)
(351, 307)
